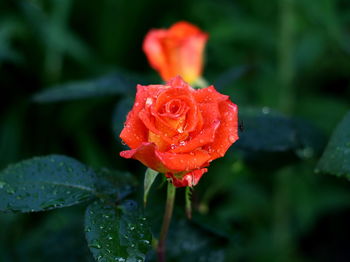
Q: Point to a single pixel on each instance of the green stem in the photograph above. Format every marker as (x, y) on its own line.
(283, 235)
(286, 54)
(188, 198)
(200, 83)
(169, 206)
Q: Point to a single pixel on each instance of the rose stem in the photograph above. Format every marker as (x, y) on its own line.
(188, 198)
(166, 221)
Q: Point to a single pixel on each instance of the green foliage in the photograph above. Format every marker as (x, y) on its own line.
(44, 183)
(117, 233)
(150, 176)
(261, 202)
(58, 237)
(336, 158)
(55, 181)
(10, 28)
(113, 183)
(103, 86)
(189, 242)
(267, 130)
(230, 76)
(114, 233)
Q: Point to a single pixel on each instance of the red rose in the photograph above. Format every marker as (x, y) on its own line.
(176, 51)
(178, 130)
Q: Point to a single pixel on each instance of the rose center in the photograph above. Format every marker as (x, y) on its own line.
(173, 108)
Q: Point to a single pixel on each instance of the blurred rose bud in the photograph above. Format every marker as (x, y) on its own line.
(176, 51)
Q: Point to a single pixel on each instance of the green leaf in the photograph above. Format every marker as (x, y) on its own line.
(188, 242)
(113, 84)
(44, 183)
(150, 176)
(266, 130)
(114, 183)
(10, 28)
(58, 237)
(117, 233)
(336, 158)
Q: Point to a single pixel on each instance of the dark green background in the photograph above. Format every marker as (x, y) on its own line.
(263, 201)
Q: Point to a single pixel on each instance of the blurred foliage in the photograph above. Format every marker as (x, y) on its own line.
(336, 158)
(286, 63)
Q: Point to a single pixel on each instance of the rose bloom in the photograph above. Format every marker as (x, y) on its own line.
(177, 130)
(176, 51)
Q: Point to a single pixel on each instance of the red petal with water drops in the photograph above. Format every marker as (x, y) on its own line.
(189, 179)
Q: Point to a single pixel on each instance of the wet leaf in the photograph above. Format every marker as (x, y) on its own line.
(117, 233)
(265, 130)
(114, 183)
(58, 237)
(44, 183)
(113, 84)
(270, 131)
(150, 176)
(188, 242)
(336, 158)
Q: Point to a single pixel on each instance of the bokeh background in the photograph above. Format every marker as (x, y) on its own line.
(286, 63)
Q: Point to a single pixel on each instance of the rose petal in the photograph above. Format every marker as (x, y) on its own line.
(154, 50)
(227, 132)
(209, 95)
(164, 162)
(163, 132)
(159, 125)
(191, 53)
(193, 116)
(190, 179)
(145, 153)
(183, 162)
(184, 29)
(177, 81)
(134, 131)
(188, 109)
(177, 51)
(205, 136)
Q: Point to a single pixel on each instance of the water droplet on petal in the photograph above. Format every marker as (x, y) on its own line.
(182, 143)
(149, 101)
(180, 130)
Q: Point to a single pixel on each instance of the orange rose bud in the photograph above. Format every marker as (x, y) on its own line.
(176, 51)
(177, 130)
